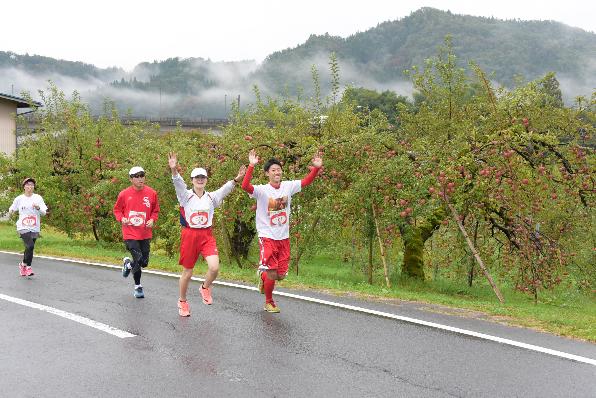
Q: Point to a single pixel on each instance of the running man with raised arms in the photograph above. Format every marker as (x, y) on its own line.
(273, 219)
(196, 216)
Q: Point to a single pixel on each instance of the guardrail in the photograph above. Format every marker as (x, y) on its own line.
(162, 121)
(174, 121)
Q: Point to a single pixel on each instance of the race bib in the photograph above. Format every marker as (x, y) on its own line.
(199, 217)
(278, 215)
(29, 221)
(278, 218)
(137, 218)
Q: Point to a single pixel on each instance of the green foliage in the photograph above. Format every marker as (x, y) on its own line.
(78, 162)
(368, 100)
(334, 68)
(174, 75)
(37, 64)
(499, 158)
(511, 162)
(549, 85)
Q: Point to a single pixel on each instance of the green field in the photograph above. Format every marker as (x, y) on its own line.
(562, 312)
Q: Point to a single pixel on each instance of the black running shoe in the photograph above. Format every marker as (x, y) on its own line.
(139, 292)
(126, 266)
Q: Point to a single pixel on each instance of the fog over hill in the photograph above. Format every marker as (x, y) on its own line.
(376, 59)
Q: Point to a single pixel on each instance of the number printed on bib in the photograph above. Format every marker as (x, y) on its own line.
(29, 221)
(199, 217)
(137, 218)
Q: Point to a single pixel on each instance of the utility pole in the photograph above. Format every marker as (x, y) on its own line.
(238, 101)
(225, 104)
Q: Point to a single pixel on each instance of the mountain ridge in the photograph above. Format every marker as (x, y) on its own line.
(374, 58)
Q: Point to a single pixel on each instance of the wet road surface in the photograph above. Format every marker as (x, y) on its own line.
(234, 348)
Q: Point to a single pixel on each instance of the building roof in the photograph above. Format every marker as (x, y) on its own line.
(21, 102)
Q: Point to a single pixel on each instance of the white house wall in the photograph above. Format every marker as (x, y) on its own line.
(8, 143)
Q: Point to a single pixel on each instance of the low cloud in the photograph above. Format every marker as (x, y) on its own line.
(230, 74)
(16, 81)
(226, 81)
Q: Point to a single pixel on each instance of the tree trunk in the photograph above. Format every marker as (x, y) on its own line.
(302, 248)
(413, 265)
(434, 265)
(472, 263)
(94, 225)
(370, 260)
(381, 248)
(370, 234)
(228, 243)
(414, 238)
(475, 253)
(241, 238)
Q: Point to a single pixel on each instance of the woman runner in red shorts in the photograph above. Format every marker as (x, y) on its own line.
(196, 216)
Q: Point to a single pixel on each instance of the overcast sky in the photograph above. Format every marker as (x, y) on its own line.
(124, 33)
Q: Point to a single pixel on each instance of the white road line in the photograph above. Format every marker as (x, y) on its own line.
(73, 317)
(452, 329)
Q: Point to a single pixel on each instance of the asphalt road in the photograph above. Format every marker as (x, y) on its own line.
(235, 349)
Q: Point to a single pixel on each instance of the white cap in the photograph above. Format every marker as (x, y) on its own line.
(199, 171)
(135, 170)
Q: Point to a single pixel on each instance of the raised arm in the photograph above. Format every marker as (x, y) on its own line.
(173, 163)
(221, 193)
(253, 159)
(317, 163)
(177, 180)
(241, 173)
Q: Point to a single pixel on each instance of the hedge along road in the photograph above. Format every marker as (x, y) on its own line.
(234, 348)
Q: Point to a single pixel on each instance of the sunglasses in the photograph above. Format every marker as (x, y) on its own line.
(138, 175)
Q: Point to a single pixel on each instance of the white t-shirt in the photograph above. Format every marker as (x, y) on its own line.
(198, 212)
(29, 217)
(273, 208)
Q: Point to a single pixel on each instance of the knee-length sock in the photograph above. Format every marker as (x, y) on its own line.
(268, 284)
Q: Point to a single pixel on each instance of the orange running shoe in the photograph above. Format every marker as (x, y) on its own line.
(183, 308)
(206, 295)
